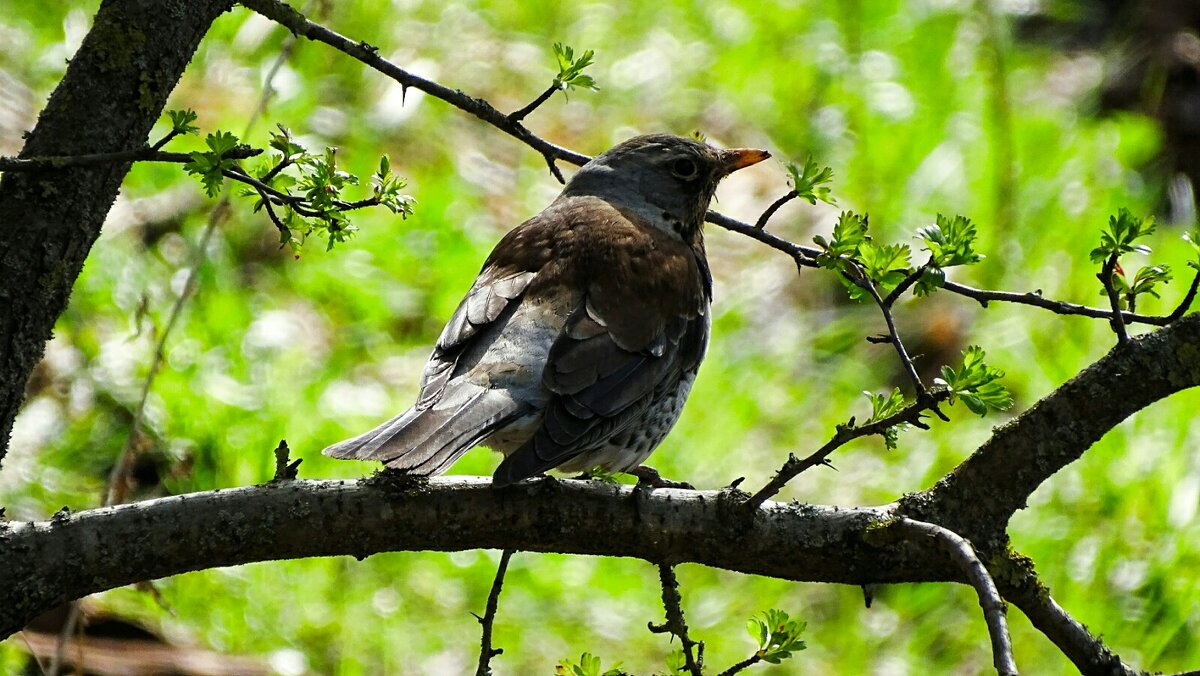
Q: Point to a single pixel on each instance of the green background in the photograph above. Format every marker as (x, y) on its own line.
(900, 98)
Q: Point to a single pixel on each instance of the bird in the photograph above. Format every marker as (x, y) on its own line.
(578, 343)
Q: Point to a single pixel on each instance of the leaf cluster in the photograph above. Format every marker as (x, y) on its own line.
(884, 406)
(1124, 229)
(810, 183)
(570, 69)
(308, 188)
(587, 665)
(861, 260)
(976, 384)
(778, 636)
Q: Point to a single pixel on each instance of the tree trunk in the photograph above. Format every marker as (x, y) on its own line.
(113, 91)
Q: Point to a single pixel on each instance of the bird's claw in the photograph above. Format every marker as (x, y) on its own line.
(648, 477)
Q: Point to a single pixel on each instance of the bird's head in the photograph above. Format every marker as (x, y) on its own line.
(668, 180)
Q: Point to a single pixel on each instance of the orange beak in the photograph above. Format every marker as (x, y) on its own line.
(733, 159)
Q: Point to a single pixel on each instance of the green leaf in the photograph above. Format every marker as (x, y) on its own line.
(1192, 237)
(809, 182)
(848, 233)
(885, 264)
(210, 165)
(570, 69)
(1148, 277)
(951, 241)
(1123, 229)
(883, 406)
(181, 121)
(976, 384)
(676, 662)
(778, 636)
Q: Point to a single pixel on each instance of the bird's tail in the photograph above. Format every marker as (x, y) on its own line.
(426, 441)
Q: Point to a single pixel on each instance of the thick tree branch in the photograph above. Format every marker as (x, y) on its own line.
(977, 499)
(46, 563)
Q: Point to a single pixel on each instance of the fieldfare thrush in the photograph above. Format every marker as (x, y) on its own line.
(580, 339)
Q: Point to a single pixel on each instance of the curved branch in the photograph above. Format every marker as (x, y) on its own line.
(978, 497)
(989, 598)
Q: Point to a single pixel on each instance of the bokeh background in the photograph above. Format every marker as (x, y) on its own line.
(1036, 119)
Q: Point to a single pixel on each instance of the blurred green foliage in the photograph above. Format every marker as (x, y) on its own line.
(899, 98)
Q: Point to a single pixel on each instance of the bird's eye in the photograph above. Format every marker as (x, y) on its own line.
(684, 168)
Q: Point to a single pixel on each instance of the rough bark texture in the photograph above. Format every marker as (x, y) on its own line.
(113, 91)
(45, 563)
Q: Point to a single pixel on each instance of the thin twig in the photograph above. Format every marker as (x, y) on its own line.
(299, 25)
(906, 283)
(486, 651)
(963, 555)
(1114, 299)
(143, 154)
(519, 115)
(675, 624)
(1036, 299)
(894, 337)
(761, 223)
(740, 666)
(1186, 303)
(910, 414)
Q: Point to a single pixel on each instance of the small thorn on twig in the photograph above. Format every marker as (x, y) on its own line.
(731, 487)
(868, 591)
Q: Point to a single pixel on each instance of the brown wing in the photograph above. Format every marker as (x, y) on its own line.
(640, 325)
(492, 294)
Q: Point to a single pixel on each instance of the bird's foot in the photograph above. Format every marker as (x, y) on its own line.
(648, 477)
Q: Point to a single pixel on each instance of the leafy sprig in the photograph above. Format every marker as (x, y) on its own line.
(976, 384)
(778, 636)
(181, 121)
(212, 164)
(570, 69)
(883, 406)
(587, 665)
(311, 195)
(950, 242)
(809, 183)
(1123, 230)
